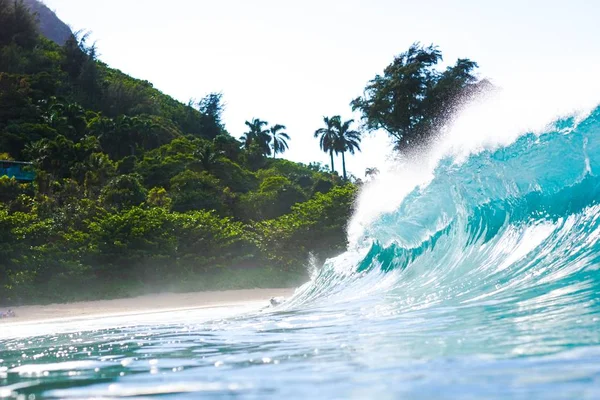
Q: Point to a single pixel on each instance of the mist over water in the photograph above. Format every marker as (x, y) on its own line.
(472, 272)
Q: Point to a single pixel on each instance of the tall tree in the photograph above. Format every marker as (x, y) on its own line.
(17, 24)
(327, 137)
(211, 107)
(76, 53)
(346, 140)
(278, 139)
(208, 157)
(257, 135)
(412, 100)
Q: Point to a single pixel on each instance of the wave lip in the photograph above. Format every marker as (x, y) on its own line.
(507, 242)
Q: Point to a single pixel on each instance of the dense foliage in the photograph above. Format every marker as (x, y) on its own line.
(412, 100)
(136, 191)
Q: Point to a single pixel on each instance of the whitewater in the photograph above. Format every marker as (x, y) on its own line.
(472, 272)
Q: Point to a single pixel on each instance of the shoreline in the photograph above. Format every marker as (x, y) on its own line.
(147, 304)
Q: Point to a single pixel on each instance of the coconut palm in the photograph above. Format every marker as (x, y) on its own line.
(68, 119)
(208, 157)
(39, 152)
(346, 140)
(371, 172)
(256, 134)
(99, 126)
(328, 137)
(278, 139)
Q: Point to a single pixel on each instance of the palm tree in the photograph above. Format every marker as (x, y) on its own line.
(208, 157)
(75, 118)
(256, 134)
(99, 126)
(39, 152)
(371, 172)
(55, 114)
(69, 119)
(278, 139)
(327, 137)
(346, 140)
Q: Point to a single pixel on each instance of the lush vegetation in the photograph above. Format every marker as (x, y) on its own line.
(136, 192)
(413, 101)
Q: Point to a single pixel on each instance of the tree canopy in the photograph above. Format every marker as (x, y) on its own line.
(413, 100)
(257, 135)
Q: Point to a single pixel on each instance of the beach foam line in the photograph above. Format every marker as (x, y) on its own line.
(144, 309)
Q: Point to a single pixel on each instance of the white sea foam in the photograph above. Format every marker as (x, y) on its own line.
(494, 121)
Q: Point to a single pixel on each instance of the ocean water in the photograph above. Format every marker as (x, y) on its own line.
(479, 281)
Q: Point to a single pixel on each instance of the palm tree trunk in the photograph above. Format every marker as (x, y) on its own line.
(332, 168)
(344, 164)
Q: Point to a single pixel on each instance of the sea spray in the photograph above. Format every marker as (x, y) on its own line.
(501, 166)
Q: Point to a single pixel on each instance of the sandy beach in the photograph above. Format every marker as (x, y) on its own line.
(144, 304)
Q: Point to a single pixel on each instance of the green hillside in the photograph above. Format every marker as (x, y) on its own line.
(136, 192)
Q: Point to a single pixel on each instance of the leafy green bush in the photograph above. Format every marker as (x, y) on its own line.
(122, 192)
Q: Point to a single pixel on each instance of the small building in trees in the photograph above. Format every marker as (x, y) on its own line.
(21, 171)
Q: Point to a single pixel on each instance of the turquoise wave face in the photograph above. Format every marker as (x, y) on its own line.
(484, 283)
(496, 256)
(526, 210)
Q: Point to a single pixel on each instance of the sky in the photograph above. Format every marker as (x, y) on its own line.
(293, 62)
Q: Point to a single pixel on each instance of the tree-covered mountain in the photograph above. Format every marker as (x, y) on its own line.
(135, 191)
(50, 25)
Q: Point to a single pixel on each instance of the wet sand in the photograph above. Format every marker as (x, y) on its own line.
(142, 305)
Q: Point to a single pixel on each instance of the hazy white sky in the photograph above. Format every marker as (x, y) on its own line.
(292, 62)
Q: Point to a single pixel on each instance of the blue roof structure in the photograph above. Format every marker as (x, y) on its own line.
(21, 171)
